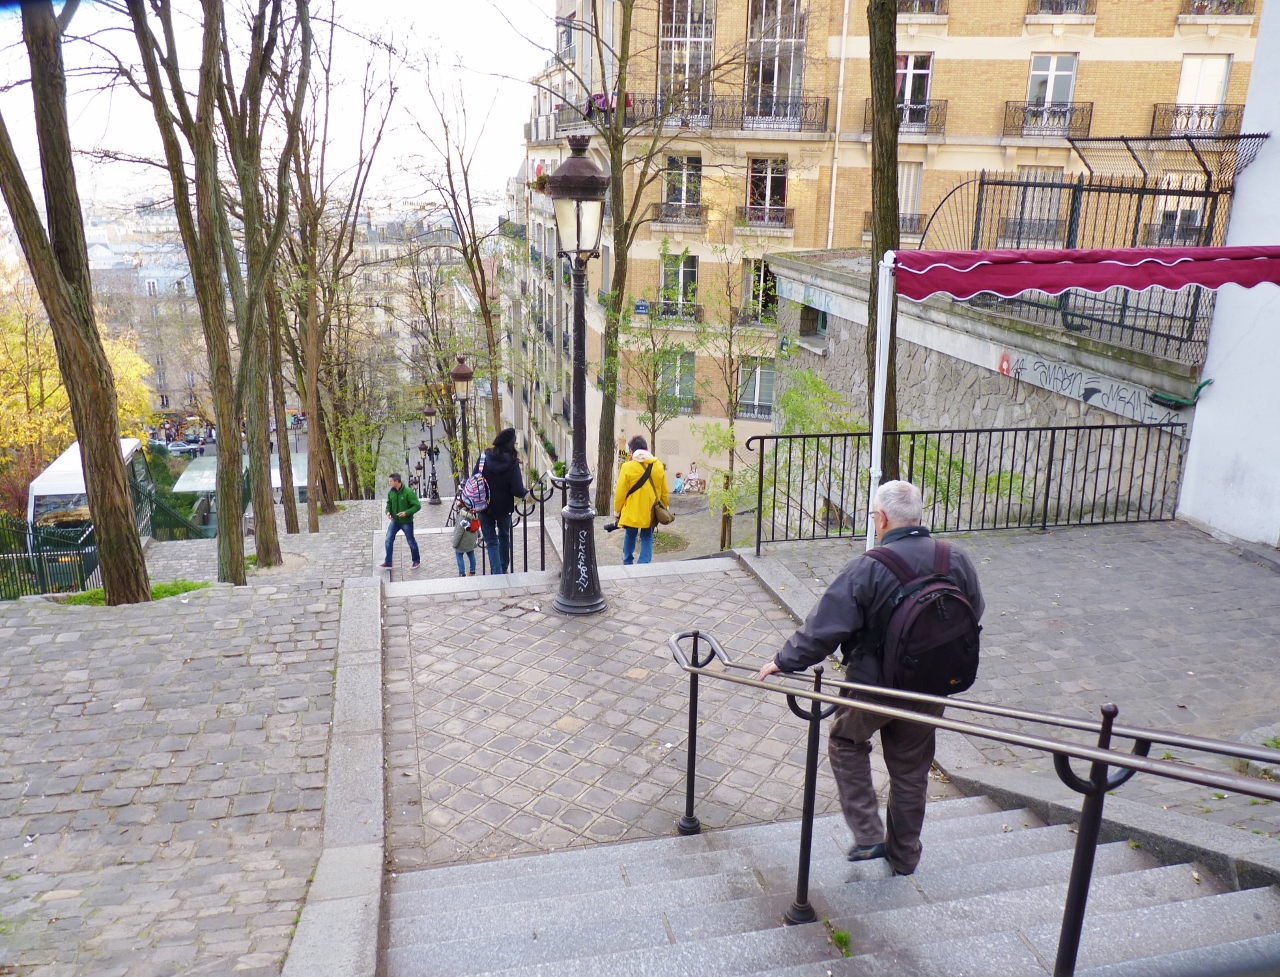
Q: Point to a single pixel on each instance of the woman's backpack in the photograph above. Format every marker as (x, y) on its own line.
(474, 494)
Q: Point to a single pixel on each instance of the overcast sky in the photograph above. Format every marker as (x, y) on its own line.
(478, 43)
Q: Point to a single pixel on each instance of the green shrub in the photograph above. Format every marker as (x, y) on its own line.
(98, 597)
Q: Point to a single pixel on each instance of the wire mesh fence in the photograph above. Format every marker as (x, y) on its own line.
(816, 486)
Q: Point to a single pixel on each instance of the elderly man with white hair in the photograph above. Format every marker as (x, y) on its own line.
(852, 616)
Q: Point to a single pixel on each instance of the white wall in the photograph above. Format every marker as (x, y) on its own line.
(1232, 480)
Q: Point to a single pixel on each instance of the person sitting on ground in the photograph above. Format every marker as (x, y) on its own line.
(466, 529)
(855, 609)
(502, 473)
(679, 486)
(642, 481)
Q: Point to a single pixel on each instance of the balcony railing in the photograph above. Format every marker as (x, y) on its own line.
(1217, 8)
(689, 406)
(913, 224)
(1171, 118)
(1061, 8)
(1173, 235)
(1031, 232)
(676, 309)
(757, 411)
(569, 118)
(678, 213)
(730, 112)
(776, 217)
(938, 7)
(920, 117)
(1061, 119)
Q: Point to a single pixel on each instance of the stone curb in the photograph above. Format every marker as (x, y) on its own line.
(783, 585)
(1242, 860)
(337, 934)
(539, 580)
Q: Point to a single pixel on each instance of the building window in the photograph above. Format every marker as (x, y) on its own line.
(164, 400)
(180, 286)
(679, 285)
(767, 191)
(775, 56)
(162, 381)
(685, 41)
(755, 387)
(151, 287)
(1053, 79)
(912, 91)
(675, 378)
(764, 290)
(684, 180)
(813, 322)
(191, 380)
(909, 175)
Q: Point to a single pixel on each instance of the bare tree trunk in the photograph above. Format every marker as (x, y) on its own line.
(59, 264)
(882, 21)
(606, 449)
(288, 496)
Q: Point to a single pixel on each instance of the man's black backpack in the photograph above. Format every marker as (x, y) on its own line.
(931, 636)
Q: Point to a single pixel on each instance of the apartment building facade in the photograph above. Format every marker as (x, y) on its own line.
(757, 113)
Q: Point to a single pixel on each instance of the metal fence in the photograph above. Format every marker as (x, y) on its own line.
(815, 486)
(161, 521)
(39, 560)
(1001, 210)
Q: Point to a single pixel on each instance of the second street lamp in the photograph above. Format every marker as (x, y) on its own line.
(432, 452)
(577, 190)
(461, 376)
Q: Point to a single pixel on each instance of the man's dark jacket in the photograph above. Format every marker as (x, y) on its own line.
(860, 597)
(502, 473)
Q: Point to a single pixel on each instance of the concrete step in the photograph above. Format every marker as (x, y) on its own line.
(719, 839)
(1156, 930)
(414, 899)
(1019, 908)
(1258, 956)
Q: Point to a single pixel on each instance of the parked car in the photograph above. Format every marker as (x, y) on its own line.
(182, 448)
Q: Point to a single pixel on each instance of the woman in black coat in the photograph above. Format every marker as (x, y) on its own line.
(502, 473)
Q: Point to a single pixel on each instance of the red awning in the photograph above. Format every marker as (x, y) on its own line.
(963, 274)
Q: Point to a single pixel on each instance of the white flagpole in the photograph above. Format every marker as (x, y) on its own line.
(884, 312)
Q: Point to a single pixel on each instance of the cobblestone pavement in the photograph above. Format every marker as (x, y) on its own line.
(1167, 622)
(512, 729)
(162, 767)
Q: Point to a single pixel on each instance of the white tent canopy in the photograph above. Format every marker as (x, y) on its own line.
(65, 475)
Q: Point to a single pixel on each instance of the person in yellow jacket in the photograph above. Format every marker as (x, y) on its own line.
(633, 504)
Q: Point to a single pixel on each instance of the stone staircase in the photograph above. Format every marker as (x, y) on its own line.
(986, 901)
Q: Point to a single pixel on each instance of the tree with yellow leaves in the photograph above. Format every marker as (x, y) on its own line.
(35, 410)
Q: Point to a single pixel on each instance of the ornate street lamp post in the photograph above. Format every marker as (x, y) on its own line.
(431, 452)
(461, 376)
(577, 190)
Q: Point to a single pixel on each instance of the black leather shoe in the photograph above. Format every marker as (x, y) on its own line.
(865, 853)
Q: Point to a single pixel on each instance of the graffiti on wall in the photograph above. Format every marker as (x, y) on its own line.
(1124, 399)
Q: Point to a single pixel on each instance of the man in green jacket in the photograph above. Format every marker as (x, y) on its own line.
(402, 503)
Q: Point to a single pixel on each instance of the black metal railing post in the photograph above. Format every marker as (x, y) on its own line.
(1095, 794)
(689, 823)
(1048, 479)
(759, 494)
(801, 911)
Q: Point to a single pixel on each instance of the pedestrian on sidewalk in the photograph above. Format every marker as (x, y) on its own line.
(642, 481)
(853, 616)
(466, 528)
(402, 503)
(501, 469)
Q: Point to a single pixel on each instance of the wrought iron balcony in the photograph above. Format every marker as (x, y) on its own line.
(1217, 8)
(689, 406)
(1173, 235)
(1061, 8)
(775, 217)
(907, 223)
(730, 112)
(1171, 118)
(1061, 119)
(938, 7)
(678, 213)
(676, 309)
(1031, 232)
(757, 411)
(569, 118)
(920, 117)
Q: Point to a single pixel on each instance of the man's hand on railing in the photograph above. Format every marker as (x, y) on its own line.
(770, 668)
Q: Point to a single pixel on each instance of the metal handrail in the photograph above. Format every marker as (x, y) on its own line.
(1095, 787)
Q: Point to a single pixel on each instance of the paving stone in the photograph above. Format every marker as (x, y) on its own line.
(148, 756)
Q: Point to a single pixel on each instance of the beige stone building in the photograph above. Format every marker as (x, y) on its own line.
(757, 113)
